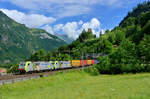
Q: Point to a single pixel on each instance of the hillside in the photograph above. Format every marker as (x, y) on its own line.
(65, 38)
(17, 42)
(126, 48)
(141, 8)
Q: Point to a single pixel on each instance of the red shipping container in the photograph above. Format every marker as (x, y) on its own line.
(93, 61)
(83, 62)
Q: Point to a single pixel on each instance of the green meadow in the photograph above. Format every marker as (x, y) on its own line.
(80, 85)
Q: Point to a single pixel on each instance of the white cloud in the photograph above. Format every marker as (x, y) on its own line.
(30, 20)
(74, 29)
(94, 24)
(71, 10)
(80, 22)
(58, 27)
(70, 29)
(66, 7)
(48, 28)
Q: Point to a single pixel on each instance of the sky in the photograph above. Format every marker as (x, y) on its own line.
(68, 17)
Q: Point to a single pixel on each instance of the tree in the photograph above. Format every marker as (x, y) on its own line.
(48, 56)
(38, 56)
(84, 36)
(125, 54)
(107, 31)
(144, 48)
(146, 28)
(42, 54)
(100, 33)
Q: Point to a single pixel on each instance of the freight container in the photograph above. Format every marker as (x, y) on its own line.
(75, 63)
(83, 63)
(96, 61)
(89, 62)
(93, 62)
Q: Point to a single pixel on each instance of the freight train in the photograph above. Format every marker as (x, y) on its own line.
(53, 65)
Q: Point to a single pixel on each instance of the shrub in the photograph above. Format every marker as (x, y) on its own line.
(41, 75)
(92, 71)
(126, 68)
(122, 60)
(13, 68)
(147, 67)
(104, 65)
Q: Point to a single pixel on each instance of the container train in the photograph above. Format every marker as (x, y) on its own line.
(53, 65)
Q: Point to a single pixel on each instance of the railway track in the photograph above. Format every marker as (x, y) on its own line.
(5, 79)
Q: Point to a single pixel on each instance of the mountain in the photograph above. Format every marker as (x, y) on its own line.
(65, 38)
(17, 41)
(141, 8)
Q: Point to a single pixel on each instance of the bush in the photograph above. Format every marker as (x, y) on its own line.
(92, 71)
(41, 75)
(123, 60)
(147, 67)
(138, 68)
(122, 68)
(104, 65)
(126, 68)
(13, 68)
(115, 69)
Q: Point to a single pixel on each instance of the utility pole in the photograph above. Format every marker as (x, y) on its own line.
(93, 53)
(58, 54)
(50, 58)
(70, 54)
(82, 61)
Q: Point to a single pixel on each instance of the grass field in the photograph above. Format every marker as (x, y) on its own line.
(80, 85)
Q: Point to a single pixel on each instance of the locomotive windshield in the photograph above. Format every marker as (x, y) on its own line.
(21, 64)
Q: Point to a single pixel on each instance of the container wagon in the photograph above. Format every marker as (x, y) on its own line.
(89, 62)
(83, 62)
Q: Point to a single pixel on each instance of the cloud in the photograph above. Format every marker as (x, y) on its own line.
(74, 29)
(70, 29)
(80, 22)
(58, 27)
(71, 10)
(94, 24)
(30, 20)
(48, 28)
(66, 7)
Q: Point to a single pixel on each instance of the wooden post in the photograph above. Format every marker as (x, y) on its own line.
(82, 63)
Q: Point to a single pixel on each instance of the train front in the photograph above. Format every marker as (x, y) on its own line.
(22, 67)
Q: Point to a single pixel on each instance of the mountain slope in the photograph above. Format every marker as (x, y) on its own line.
(141, 8)
(17, 42)
(65, 38)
